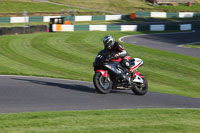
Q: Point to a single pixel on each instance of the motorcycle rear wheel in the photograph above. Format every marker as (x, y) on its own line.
(140, 89)
(100, 83)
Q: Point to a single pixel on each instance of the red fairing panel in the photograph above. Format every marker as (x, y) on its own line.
(103, 73)
(138, 73)
(127, 57)
(133, 68)
(118, 59)
(136, 66)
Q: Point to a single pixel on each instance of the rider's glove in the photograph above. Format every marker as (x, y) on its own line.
(116, 55)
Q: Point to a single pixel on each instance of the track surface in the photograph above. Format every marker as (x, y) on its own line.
(167, 41)
(27, 94)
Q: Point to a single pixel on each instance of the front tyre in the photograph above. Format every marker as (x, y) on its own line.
(102, 84)
(140, 89)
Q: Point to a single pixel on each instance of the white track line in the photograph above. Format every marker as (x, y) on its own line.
(120, 39)
(182, 45)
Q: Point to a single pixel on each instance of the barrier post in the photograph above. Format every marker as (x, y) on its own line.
(25, 18)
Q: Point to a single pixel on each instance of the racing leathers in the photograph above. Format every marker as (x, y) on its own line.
(119, 51)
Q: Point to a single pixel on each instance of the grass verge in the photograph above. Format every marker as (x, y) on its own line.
(119, 6)
(112, 121)
(193, 46)
(71, 54)
(128, 6)
(180, 7)
(8, 7)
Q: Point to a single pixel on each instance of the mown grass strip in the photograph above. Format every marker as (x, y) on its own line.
(112, 121)
(11, 6)
(128, 6)
(193, 46)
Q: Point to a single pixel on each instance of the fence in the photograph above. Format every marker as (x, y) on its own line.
(70, 18)
(168, 14)
(139, 27)
(101, 17)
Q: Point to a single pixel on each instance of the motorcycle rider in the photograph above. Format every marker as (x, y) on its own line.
(116, 50)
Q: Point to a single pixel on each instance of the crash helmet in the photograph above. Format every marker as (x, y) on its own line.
(108, 42)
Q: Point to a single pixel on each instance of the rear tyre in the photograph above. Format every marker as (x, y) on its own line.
(101, 84)
(140, 89)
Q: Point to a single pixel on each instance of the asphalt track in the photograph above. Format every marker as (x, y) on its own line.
(30, 94)
(172, 42)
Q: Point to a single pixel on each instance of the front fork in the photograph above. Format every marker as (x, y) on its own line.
(106, 76)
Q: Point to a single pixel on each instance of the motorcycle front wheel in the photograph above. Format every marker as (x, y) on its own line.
(140, 89)
(102, 84)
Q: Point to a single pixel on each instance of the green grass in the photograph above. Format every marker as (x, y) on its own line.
(11, 6)
(128, 6)
(71, 54)
(193, 46)
(181, 7)
(124, 7)
(105, 121)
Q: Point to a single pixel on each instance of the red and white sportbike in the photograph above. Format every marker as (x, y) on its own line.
(108, 75)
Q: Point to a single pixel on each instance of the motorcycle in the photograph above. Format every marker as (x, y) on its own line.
(108, 73)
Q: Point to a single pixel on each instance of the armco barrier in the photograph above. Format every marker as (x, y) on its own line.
(140, 27)
(70, 18)
(36, 19)
(102, 17)
(4, 19)
(23, 30)
(167, 14)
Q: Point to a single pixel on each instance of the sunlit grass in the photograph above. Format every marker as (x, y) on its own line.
(70, 55)
(193, 46)
(111, 121)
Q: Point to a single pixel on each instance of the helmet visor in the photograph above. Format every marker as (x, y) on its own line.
(109, 44)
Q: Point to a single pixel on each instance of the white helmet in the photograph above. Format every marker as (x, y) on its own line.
(108, 42)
